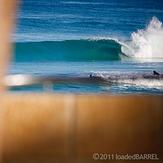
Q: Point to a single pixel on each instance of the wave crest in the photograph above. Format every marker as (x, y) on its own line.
(146, 43)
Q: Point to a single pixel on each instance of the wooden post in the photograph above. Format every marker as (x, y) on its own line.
(7, 14)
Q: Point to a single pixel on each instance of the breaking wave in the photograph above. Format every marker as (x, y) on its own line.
(144, 44)
(69, 50)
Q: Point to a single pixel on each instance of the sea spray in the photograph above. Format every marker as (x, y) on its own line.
(146, 43)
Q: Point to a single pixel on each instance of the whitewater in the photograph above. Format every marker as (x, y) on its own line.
(146, 43)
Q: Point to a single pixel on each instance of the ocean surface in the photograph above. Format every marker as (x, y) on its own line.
(120, 41)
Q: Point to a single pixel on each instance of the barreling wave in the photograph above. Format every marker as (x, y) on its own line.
(144, 44)
(69, 50)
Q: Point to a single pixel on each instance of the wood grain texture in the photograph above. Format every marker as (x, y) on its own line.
(70, 128)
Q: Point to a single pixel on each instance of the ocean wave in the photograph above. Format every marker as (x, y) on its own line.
(70, 50)
(144, 45)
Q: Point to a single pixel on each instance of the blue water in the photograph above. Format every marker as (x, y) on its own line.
(73, 37)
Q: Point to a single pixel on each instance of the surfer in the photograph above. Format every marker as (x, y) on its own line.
(156, 73)
(90, 75)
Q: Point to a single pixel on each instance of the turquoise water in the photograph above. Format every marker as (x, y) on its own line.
(69, 50)
(99, 37)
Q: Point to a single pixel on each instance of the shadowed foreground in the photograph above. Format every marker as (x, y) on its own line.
(48, 128)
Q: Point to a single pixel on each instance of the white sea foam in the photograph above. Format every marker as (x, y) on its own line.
(158, 84)
(145, 80)
(146, 43)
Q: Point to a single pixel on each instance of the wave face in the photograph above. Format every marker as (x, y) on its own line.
(147, 43)
(70, 50)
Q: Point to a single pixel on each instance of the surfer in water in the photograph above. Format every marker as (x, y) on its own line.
(156, 73)
(90, 75)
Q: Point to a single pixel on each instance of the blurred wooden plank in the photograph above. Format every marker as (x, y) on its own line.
(119, 124)
(70, 128)
(7, 19)
(36, 127)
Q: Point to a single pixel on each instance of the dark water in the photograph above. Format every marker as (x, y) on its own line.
(72, 37)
